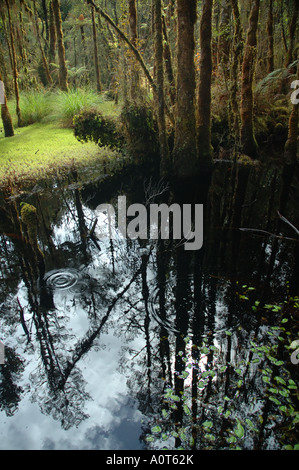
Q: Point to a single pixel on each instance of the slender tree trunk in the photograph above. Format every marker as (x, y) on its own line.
(123, 36)
(44, 59)
(235, 69)
(185, 149)
(134, 75)
(14, 63)
(6, 117)
(292, 33)
(159, 94)
(168, 63)
(52, 34)
(291, 146)
(224, 39)
(248, 141)
(204, 88)
(63, 73)
(270, 27)
(95, 50)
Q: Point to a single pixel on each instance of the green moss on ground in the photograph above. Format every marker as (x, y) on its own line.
(44, 150)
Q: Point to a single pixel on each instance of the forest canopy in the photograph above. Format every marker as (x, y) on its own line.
(201, 80)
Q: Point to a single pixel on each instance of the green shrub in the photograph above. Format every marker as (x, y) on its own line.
(91, 125)
(140, 130)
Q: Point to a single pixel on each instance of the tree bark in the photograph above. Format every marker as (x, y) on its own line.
(6, 117)
(52, 34)
(168, 64)
(224, 39)
(204, 88)
(185, 146)
(95, 50)
(235, 69)
(134, 75)
(44, 59)
(248, 141)
(63, 73)
(270, 27)
(159, 94)
(14, 65)
(292, 33)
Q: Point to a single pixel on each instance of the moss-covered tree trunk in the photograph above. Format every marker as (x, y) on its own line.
(185, 148)
(204, 88)
(291, 146)
(292, 33)
(270, 32)
(5, 115)
(63, 73)
(38, 36)
(14, 65)
(238, 43)
(95, 51)
(159, 93)
(224, 41)
(168, 63)
(52, 35)
(248, 142)
(134, 90)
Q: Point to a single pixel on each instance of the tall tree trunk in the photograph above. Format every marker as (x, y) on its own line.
(291, 146)
(224, 39)
(134, 75)
(63, 73)
(185, 148)
(14, 64)
(159, 93)
(270, 27)
(248, 141)
(168, 63)
(44, 59)
(235, 69)
(292, 33)
(204, 88)
(95, 50)
(6, 117)
(52, 34)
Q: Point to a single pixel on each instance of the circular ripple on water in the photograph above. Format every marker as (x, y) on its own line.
(67, 279)
(155, 311)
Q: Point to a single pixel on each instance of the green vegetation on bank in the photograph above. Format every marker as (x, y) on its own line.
(46, 145)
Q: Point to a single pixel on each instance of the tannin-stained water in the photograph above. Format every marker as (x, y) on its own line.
(129, 344)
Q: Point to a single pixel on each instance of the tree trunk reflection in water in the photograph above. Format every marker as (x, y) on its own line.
(187, 312)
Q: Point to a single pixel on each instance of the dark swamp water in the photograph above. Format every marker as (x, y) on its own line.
(140, 344)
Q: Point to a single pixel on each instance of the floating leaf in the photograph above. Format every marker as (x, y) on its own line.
(207, 424)
(239, 430)
(187, 410)
(156, 429)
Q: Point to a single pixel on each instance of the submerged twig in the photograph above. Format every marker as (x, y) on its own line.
(288, 222)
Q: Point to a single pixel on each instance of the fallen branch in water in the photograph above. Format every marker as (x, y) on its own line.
(264, 232)
(288, 222)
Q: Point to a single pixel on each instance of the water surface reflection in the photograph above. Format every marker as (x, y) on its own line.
(128, 344)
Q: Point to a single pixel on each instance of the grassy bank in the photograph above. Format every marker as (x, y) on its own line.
(42, 151)
(46, 146)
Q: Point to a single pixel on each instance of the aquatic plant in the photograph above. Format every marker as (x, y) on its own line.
(193, 415)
